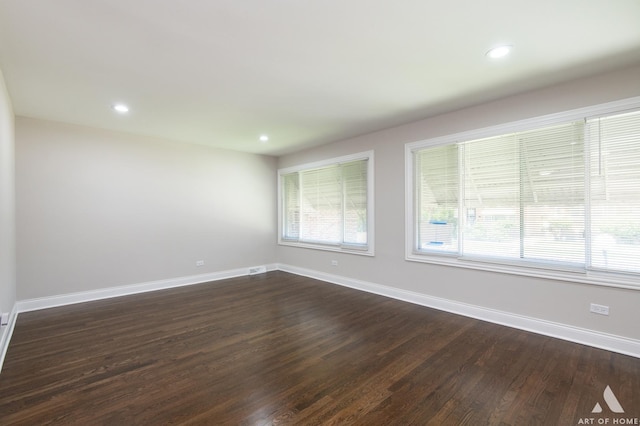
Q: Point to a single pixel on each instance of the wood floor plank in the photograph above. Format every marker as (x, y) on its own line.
(283, 349)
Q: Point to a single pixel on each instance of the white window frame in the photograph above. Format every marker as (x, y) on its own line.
(548, 271)
(366, 251)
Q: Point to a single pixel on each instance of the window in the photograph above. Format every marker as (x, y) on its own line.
(328, 205)
(559, 193)
(614, 143)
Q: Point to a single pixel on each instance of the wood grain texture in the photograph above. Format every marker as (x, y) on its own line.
(283, 349)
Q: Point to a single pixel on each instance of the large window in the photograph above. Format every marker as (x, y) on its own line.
(557, 193)
(328, 205)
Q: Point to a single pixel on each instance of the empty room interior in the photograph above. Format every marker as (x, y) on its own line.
(357, 212)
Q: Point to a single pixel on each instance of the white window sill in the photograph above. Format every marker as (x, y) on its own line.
(327, 247)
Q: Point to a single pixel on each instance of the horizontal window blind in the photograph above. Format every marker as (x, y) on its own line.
(327, 205)
(492, 197)
(524, 195)
(321, 205)
(552, 198)
(437, 198)
(354, 176)
(291, 202)
(614, 143)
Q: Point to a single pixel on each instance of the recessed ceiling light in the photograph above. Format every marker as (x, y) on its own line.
(264, 138)
(499, 52)
(121, 108)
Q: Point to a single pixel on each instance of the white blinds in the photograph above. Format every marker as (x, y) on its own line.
(321, 205)
(492, 197)
(566, 195)
(614, 143)
(437, 198)
(563, 197)
(327, 205)
(354, 176)
(524, 195)
(291, 205)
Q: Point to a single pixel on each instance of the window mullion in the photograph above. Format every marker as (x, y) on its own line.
(523, 169)
(587, 195)
(462, 210)
(343, 207)
(417, 201)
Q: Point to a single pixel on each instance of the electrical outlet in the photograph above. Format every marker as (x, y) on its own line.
(334, 263)
(599, 309)
(199, 262)
(5, 318)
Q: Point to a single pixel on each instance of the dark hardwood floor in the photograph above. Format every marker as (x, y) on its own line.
(283, 349)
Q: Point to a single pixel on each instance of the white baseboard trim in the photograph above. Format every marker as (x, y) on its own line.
(106, 293)
(583, 336)
(561, 331)
(7, 332)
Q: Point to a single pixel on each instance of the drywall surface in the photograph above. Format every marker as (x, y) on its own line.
(7, 202)
(99, 209)
(549, 300)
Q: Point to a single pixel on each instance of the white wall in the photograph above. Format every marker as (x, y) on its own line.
(98, 209)
(560, 302)
(7, 202)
